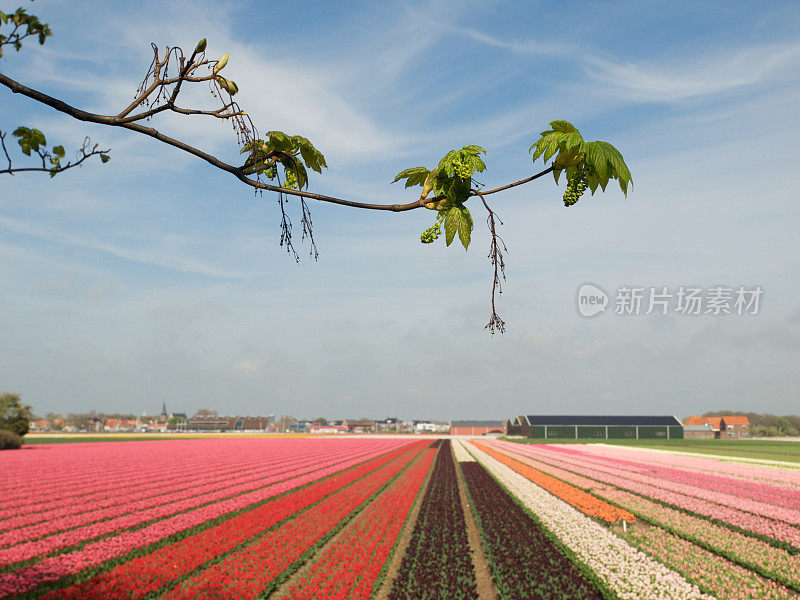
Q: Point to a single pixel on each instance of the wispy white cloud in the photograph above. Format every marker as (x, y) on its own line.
(156, 256)
(531, 47)
(670, 80)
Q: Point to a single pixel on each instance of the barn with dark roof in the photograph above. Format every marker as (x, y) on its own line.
(596, 426)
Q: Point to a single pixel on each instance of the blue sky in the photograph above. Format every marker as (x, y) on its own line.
(157, 279)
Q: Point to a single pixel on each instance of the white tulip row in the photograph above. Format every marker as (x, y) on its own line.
(630, 573)
(460, 452)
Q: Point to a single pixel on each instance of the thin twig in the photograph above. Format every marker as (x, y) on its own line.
(5, 151)
(84, 155)
(308, 230)
(495, 323)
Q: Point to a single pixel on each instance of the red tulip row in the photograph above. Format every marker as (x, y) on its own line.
(62, 529)
(145, 574)
(349, 568)
(99, 555)
(259, 567)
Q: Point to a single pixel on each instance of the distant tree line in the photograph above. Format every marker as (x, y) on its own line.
(765, 425)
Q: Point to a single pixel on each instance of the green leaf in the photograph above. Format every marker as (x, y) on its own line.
(465, 227)
(452, 223)
(446, 164)
(413, 176)
(551, 148)
(592, 182)
(475, 163)
(473, 149)
(619, 168)
(570, 140)
(280, 141)
(311, 156)
(105, 158)
(37, 139)
(596, 158)
(59, 151)
(562, 126)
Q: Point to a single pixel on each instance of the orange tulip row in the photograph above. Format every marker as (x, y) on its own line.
(583, 501)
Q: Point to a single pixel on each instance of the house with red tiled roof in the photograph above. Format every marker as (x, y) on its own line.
(716, 427)
(701, 427)
(735, 427)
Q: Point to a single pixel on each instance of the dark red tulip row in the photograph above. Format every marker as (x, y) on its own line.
(525, 562)
(438, 563)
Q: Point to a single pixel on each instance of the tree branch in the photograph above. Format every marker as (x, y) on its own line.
(515, 184)
(238, 172)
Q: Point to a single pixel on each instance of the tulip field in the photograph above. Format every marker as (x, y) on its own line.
(392, 518)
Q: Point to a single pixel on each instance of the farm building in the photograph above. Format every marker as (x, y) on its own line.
(698, 432)
(735, 426)
(476, 427)
(596, 426)
(727, 426)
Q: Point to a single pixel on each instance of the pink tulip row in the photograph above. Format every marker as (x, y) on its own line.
(656, 489)
(745, 550)
(736, 487)
(26, 528)
(109, 486)
(64, 468)
(711, 572)
(95, 553)
(783, 478)
(657, 476)
(22, 550)
(76, 473)
(756, 554)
